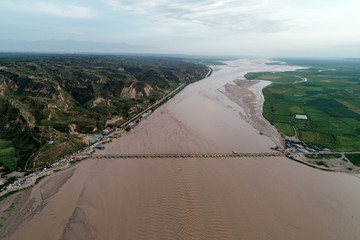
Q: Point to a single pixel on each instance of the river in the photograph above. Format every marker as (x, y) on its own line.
(235, 198)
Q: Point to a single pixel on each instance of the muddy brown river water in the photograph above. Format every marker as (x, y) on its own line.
(232, 198)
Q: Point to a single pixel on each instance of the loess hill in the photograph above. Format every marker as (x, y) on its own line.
(76, 95)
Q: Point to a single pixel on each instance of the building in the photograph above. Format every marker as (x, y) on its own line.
(95, 139)
(146, 114)
(134, 123)
(303, 117)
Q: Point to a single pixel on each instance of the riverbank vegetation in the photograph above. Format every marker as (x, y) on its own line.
(354, 158)
(329, 99)
(324, 156)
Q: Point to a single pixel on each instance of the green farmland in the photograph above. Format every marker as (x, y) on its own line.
(354, 158)
(330, 99)
(274, 77)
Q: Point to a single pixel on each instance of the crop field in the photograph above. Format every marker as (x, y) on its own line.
(324, 156)
(274, 77)
(285, 128)
(7, 155)
(354, 158)
(330, 99)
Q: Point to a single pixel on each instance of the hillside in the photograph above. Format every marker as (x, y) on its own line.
(77, 95)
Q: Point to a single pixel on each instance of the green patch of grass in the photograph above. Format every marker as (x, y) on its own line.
(354, 158)
(5, 144)
(285, 129)
(322, 163)
(39, 179)
(314, 138)
(74, 161)
(324, 156)
(8, 194)
(57, 170)
(7, 155)
(274, 77)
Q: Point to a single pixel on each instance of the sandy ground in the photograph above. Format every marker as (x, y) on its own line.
(243, 198)
(248, 95)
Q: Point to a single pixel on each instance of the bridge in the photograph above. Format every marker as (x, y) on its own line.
(190, 155)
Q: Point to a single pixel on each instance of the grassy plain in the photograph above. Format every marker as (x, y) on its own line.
(274, 77)
(330, 99)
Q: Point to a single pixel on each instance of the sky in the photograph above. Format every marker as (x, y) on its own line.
(268, 28)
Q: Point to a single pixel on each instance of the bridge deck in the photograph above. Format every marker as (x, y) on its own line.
(190, 155)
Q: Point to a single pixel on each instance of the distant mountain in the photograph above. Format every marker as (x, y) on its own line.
(71, 46)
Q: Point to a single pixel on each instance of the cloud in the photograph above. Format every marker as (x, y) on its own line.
(237, 15)
(50, 8)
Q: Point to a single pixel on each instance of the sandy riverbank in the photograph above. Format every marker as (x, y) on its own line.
(243, 198)
(248, 95)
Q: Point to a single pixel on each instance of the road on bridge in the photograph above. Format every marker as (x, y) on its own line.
(190, 155)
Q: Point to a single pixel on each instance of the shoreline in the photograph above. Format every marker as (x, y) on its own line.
(248, 95)
(65, 163)
(204, 198)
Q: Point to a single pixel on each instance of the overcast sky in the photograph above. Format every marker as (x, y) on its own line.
(269, 28)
